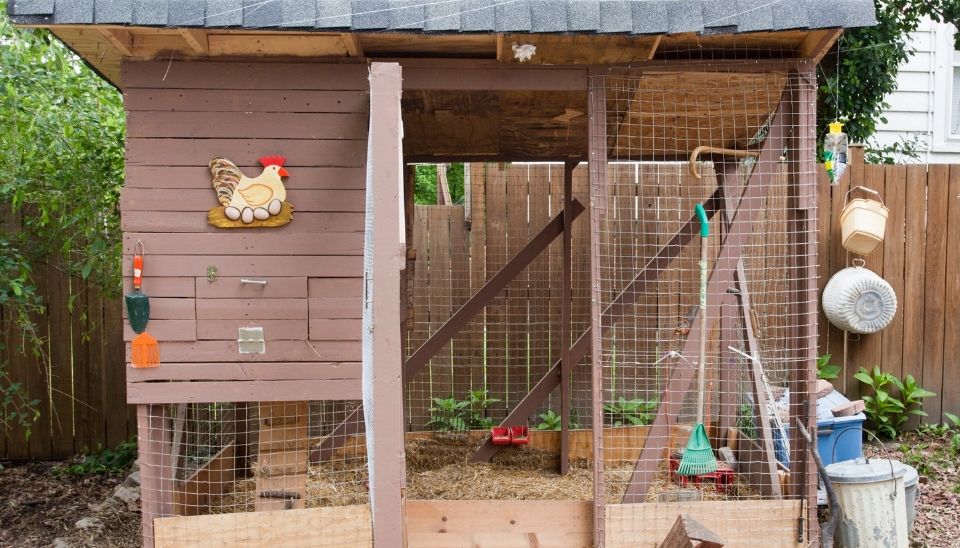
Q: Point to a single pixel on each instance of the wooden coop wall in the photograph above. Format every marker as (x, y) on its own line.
(182, 114)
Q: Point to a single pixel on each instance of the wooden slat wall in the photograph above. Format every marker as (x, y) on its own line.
(182, 115)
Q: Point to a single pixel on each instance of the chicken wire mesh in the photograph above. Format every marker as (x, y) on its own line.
(648, 287)
(496, 358)
(214, 472)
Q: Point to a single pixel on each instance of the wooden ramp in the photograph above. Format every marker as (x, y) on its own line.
(281, 465)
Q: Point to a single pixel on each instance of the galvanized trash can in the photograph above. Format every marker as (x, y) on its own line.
(873, 503)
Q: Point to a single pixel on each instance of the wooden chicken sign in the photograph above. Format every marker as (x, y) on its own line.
(250, 202)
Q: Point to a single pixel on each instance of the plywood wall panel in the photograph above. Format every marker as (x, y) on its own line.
(244, 76)
(262, 242)
(277, 351)
(188, 151)
(273, 330)
(214, 100)
(334, 330)
(251, 309)
(202, 200)
(233, 288)
(335, 308)
(198, 176)
(253, 265)
(155, 286)
(169, 308)
(192, 222)
(259, 125)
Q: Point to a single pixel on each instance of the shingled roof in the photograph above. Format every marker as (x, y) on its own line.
(458, 16)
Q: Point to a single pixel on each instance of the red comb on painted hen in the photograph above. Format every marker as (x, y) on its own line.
(276, 160)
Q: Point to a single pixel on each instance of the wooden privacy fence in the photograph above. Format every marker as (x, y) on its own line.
(78, 379)
(920, 258)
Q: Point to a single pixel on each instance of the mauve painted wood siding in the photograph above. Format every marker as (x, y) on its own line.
(182, 114)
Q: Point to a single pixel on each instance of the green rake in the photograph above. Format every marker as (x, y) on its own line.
(698, 455)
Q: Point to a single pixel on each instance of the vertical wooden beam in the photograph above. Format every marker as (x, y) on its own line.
(384, 258)
(597, 170)
(443, 187)
(802, 223)
(153, 441)
(565, 316)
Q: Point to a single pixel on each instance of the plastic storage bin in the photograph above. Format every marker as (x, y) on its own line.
(836, 440)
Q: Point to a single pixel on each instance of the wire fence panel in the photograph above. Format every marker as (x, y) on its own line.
(221, 472)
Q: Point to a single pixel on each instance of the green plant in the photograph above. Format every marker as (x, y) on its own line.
(885, 412)
(906, 149)
(479, 401)
(549, 421)
(453, 415)
(745, 421)
(825, 370)
(103, 461)
(633, 412)
(448, 415)
(954, 420)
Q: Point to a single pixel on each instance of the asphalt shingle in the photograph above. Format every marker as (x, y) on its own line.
(482, 16)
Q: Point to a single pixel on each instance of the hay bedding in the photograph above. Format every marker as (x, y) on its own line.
(438, 469)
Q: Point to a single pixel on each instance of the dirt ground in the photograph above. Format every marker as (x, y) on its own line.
(39, 506)
(938, 507)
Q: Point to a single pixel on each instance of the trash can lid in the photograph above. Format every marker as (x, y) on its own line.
(910, 474)
(862, 470)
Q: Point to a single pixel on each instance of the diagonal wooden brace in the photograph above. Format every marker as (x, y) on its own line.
(551, 379)
(739, 232)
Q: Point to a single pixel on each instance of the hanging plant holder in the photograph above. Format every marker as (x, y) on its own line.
(863, 222)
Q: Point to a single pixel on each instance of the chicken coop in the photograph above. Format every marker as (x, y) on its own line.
(626, 283)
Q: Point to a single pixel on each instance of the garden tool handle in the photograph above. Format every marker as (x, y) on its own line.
(704, 223)
(702, 365)
(138, 265)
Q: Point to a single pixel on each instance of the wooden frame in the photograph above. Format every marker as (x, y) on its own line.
(384, 259)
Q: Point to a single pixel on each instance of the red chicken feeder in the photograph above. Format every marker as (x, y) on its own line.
(500, 435)
(519, 435)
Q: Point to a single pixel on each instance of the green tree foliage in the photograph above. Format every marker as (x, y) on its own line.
(62, 134)
(861, 69)
(425, 191)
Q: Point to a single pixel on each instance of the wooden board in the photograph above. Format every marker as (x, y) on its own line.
(769, 523)
(283, 471)
(204, 198)
(212, 371)
(241, 391)
(276, 351)
(342, 526)
(501, 523)
(193, 496)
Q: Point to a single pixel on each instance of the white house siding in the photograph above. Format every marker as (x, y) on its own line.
(921, 105)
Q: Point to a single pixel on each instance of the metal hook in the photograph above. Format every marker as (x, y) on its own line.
(140, 245)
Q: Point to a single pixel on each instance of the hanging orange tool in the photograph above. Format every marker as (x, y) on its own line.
(145, 351)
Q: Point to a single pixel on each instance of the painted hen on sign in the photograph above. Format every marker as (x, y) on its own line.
(258, 201)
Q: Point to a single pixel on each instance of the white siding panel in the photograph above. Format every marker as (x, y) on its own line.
(909, 101)
(913, 81)
(905, 121)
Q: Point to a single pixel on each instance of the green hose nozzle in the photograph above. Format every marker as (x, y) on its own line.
(704, 223)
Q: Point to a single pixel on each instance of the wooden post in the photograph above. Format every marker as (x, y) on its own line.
(565, 317)
(802, 228)
(597, 166)
(384, 258)
(153, 435)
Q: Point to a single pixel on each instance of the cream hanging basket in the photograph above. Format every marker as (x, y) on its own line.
(859, 301)
(863, 222)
